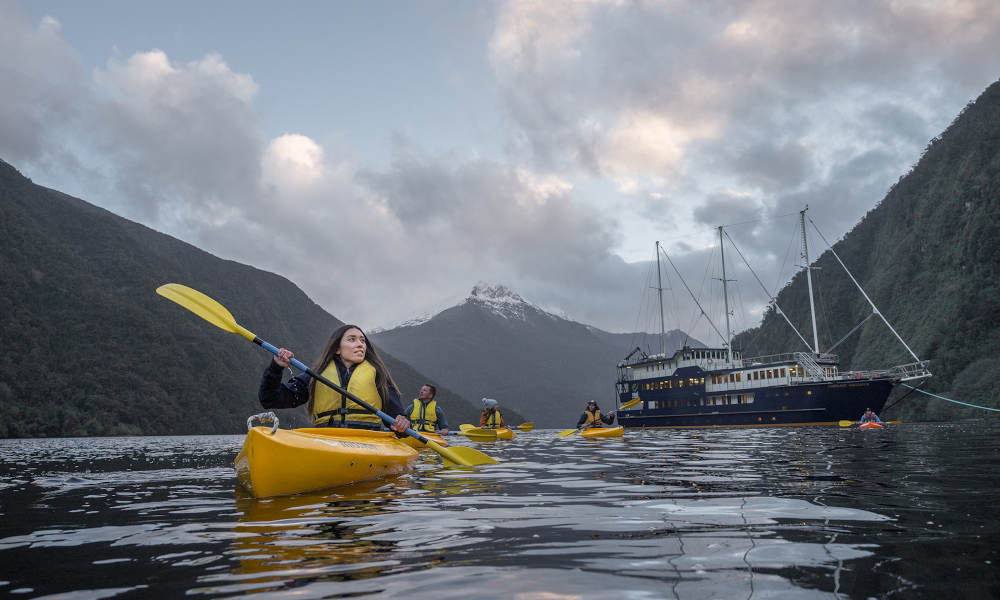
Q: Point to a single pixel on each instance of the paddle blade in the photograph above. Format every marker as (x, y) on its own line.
(204, 307)
(630, 403)
(526, 426)
(845, 423)
(466, 427)
(460, 455)
(566, 432)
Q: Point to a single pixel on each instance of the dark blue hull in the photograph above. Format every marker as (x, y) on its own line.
(823, 403)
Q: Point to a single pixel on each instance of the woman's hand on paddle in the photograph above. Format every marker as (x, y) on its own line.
(283, 357)
(401, 424)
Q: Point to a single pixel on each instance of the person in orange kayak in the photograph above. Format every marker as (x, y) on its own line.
(870, 417)
(491, 418)
(425, 414)
(350, 361)
(592, 417)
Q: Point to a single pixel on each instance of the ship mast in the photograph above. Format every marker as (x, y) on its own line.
(725, 297)
(659, 290)
(805, 257)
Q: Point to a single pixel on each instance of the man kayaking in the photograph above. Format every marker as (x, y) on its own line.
(491, 418)
(592, 417)
(425, 414)
(870, 417)
(350, 361)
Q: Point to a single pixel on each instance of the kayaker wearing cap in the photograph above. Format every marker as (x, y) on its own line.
(491, 417)
(425, 414)
(592, 417)
(350, 361)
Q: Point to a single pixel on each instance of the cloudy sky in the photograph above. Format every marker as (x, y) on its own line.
(387, 156)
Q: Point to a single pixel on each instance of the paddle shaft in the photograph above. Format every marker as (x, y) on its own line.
(299, 365)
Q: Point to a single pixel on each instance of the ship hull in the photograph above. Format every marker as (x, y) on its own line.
(822, 403)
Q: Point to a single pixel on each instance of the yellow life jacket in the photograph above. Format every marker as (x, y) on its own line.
(328, 406)
(494, 420)
(593, 418)
(424, 416)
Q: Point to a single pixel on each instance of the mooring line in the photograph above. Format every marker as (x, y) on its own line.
(950, 400)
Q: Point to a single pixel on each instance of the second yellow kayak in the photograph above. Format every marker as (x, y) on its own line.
(603, 432)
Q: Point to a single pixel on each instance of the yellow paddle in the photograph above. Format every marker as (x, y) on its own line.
(526, 426)
(846, 423)
(217, 315)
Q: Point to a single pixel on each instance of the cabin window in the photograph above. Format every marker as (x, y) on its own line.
(782, 371)
(809, 392)
(680, 383)
(738, 376)
(755, 375)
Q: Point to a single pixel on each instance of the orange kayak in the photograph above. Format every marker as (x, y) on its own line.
(603, 432)
(870, 425)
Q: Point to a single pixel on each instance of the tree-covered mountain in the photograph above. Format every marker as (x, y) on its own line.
(929, 257)
(497, 344)
(90, 349)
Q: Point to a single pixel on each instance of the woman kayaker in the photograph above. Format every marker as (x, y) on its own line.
(425, 414)
(490, 417)
(870, 417)
(350, 361)
(592, 417)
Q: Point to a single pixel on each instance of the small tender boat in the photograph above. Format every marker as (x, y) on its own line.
(415, 443)
(505, 433)
(603, 432)
(278, 462)
(870, 425)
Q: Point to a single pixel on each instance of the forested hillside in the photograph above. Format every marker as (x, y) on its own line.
(90, 349)
(929, 257)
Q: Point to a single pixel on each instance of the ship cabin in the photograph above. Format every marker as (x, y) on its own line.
(695, 377)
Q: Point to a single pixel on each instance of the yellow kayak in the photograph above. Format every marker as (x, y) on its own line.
(603, 432)
(290, 461)
(412, 442)
(505, 433)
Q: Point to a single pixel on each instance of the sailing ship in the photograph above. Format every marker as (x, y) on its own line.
(720, 387)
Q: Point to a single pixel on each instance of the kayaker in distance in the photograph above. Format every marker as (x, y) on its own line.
(870, 417)
(425, 414)
(351, 362)
(592, 417)
(490, 417)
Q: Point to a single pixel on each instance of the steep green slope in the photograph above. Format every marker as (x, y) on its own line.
(90, 349)
(929, 257)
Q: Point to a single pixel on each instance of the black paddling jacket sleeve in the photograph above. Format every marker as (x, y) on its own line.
(295, 392)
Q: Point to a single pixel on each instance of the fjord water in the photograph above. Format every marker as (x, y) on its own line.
(909, 511)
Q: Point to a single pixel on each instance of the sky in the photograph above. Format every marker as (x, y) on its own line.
(388, 156)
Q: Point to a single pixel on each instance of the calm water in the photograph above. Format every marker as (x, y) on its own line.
(908, 512)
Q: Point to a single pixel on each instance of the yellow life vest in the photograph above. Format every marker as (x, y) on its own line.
(361, 384)
(424, 416)
(593, 418)
(494, 420)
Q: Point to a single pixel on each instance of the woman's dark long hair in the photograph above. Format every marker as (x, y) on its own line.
(383, 380)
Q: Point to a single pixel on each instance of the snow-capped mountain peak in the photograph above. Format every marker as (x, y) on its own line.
(500, 300)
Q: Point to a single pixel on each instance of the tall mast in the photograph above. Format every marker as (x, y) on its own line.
(725, 297)
(659, 290)
(805, 257)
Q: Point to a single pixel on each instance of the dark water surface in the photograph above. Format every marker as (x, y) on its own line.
(907, 512)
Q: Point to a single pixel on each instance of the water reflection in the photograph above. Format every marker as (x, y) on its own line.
(680, 514)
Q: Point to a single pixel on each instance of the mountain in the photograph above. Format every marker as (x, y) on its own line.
(929, 257)
(497, 344)
(90, 349)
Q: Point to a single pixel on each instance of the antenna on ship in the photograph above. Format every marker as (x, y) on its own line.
(659, 290)
(725, 297)
(805, 257)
